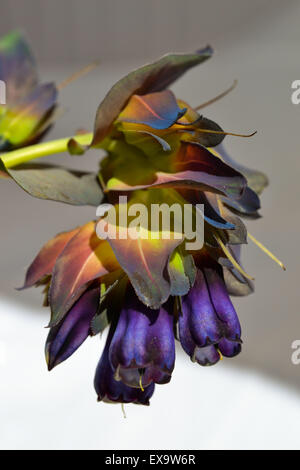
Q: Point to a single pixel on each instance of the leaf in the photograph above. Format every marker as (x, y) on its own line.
(101, 319)
(257, 180)
(144, 138)
(113, 288)
(99, 322)
(141, 138)
(127, 163)
(236, 283)
(66, 337)
(205, 138)
(44, 262)
(237, 233)
(211, 214)
(200, 124)
(150, 78)
(194, 167)
(182, 271)
(247, 205)
(57, 183)
(83, 260)
(75, 148)
(144, 258)
(145, 261)
(157, 110)
(235, 286)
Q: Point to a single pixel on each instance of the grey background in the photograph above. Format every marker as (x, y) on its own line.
(258, 43)
(75, 30)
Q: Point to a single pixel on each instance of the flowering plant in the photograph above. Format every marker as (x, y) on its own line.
(150, 289)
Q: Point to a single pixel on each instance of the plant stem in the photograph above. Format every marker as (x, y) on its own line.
(22, 155)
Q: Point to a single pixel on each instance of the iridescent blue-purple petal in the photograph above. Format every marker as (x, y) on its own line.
(222, 304)
(143, 339)
(110, 390)
(229, 348)
(198, 314)
(65, 338)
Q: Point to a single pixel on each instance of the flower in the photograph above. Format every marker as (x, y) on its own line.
(30, 106)
(73, 330)
(208, 325)
(110, 390)
(142, 349)
(150, 291)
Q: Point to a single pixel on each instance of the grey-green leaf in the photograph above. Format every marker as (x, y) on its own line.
(57, 183)
(257, 180)
(150, 78)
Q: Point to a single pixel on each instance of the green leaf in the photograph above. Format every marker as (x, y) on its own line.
(182, 271)
(99, 323)
(75, 148)
(101, 320)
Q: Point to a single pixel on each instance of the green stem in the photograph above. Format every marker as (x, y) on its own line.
(22, 155)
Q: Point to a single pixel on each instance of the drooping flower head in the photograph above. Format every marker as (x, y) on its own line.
(150, 291)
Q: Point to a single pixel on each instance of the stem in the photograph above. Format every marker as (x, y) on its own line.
(22, 155)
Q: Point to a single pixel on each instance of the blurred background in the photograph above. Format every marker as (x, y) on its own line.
(252, 401)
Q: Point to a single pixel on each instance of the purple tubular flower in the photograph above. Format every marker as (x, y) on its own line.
(142, 349)
(65, 338)
(110, 390)
(208, 324)
(229, 348)
(222, 304)
(206, 356)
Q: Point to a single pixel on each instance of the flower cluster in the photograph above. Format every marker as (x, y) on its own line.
(149, 291)
(29, 109)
